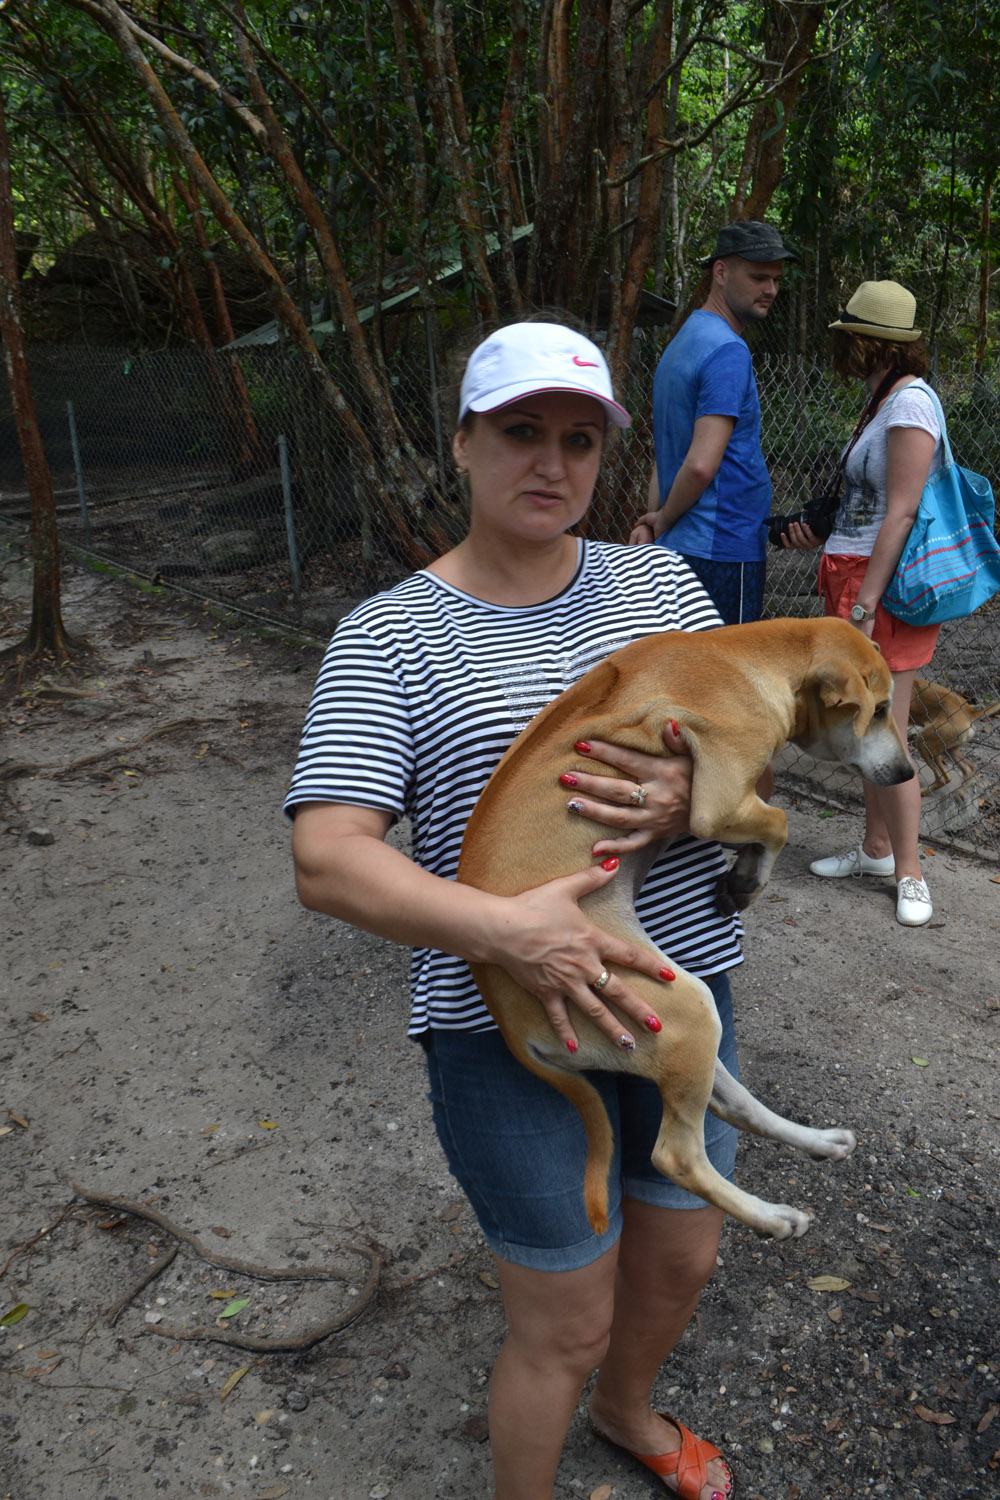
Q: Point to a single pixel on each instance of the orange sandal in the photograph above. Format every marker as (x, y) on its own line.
(688, 1464)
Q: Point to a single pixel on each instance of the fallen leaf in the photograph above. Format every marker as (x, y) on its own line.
(987, 1417)
(921, 1062)
(209, 1128)
(275, 1494)
(232, 1308)
(827, 1284)
(234, 1379)
(14, 1315)
(913, 1193)
(268, 1124)
(939, 1418)
(835, 1314)
(47, 1353)
(222, 1296)
(489, 1280)
(603, 1492)
(6, 1130)
(199, 753)
(17, 1119)
(222, 1231)
(38, 1015)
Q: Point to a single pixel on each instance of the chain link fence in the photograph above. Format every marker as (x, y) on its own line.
(227, 475)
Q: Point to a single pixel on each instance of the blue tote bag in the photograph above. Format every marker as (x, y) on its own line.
(950, 564)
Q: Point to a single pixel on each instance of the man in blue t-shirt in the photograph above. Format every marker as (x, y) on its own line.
(710, 487)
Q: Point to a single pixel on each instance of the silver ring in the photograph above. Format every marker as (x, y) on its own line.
(637, 796)
(601, 980)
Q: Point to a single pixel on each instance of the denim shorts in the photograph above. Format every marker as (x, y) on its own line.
(518, 1149)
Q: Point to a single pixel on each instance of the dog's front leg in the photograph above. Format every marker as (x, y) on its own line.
(762, 832)
(737, 1106)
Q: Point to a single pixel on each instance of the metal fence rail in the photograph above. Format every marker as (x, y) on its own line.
(226, 473)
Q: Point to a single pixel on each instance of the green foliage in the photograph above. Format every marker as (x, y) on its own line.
(889, 149)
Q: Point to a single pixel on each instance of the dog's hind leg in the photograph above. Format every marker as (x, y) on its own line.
(679, 1154)
(737, 1106)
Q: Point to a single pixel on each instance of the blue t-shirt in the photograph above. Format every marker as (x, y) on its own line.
(706, 370)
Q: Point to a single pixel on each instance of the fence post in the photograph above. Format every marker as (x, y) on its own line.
(78, 466)
(286, 490)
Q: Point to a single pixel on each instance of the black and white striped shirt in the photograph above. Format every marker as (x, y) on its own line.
(423, 688)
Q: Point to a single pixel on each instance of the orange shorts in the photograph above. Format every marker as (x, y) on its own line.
(905, 647)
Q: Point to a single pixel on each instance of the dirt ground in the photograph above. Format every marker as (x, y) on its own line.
(179, 1034)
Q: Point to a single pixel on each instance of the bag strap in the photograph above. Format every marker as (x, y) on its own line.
(868, 414)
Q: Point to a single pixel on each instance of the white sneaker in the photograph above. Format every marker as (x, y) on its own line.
(854, 862)
(913, 902)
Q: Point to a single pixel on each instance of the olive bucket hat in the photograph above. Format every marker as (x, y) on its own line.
(752, 240)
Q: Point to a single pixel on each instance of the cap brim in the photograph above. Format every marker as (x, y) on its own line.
(617, 415)
(760, 257)
(888, 335)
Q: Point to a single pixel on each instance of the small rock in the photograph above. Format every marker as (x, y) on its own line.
(296, 1400)
(40, 836)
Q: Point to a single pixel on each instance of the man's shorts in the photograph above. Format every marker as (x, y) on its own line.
(518, 1149)
(735, 588)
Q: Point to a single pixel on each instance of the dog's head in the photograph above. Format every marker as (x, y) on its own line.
(847, 706)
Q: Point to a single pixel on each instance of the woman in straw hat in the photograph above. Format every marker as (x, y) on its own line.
(896, 445)
(421, 691)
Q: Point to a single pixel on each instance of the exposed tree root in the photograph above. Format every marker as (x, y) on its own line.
(241, 1268)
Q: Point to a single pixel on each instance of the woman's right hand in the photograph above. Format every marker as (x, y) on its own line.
(799, 537)
(556, 953)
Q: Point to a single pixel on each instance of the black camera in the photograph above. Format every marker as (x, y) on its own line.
(818, 515)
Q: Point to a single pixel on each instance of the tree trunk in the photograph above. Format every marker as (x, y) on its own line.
(46, 634)
(790, 35)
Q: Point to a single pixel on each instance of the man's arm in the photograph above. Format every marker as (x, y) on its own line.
(701, 464)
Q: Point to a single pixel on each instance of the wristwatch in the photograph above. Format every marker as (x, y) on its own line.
(859, 614)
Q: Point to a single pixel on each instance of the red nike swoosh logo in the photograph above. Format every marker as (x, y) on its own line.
(578, 361)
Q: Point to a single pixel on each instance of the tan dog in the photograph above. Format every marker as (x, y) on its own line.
(943, 724)
(738, 694)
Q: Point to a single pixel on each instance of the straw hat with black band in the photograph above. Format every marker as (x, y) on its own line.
(881, 310)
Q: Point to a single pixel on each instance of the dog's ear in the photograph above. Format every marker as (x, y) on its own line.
(841, 685)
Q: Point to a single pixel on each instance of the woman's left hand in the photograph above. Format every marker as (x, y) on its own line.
(653, 801)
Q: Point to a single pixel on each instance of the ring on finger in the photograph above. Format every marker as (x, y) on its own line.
(638, 795)
(600, 981)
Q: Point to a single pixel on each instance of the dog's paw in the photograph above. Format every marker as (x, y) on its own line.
(733, 895)
(832, 1145)
(784, 1222)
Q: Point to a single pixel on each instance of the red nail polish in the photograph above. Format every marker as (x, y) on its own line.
(667, 974)
(582, 746)
(609, 864)
(652, 1023)
(568, 780)
(571, 1046)
(673, 725)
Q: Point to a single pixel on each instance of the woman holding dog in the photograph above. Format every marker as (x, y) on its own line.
(896, 446)
(421, 691)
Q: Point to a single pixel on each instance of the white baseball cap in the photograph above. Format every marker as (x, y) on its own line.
(528, 359)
